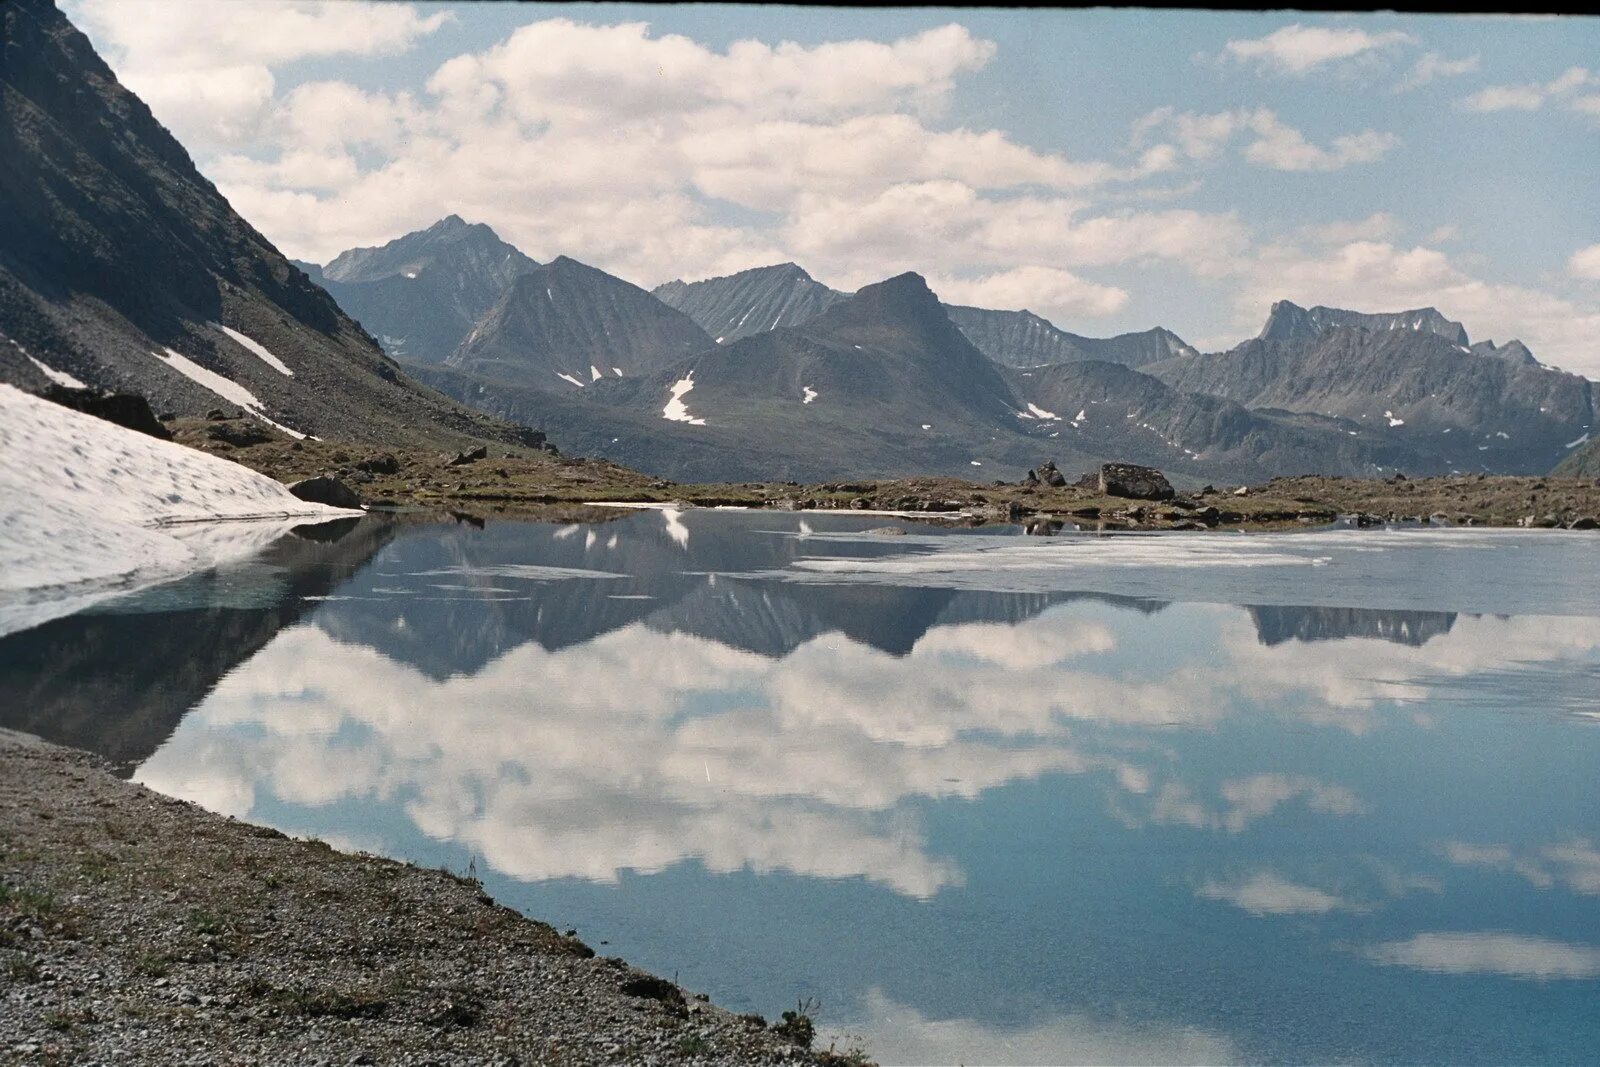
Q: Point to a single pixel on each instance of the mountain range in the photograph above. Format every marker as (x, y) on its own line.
(983, 392)
(123, 268)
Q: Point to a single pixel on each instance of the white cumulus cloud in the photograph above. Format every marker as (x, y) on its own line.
(1273, 143)
(1298, 49)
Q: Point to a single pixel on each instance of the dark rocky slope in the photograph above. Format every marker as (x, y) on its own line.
(113, 248)
(1116, 411)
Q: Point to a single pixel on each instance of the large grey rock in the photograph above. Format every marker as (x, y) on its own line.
(325, 490)
(1047, 474)
(129, 410)
(1134, 482)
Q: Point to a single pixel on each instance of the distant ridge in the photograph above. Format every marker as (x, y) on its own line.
(1023, 339)
(566, 324)
(1288, 321)
(750, 302)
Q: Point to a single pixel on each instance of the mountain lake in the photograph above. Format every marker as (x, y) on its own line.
(970, 795)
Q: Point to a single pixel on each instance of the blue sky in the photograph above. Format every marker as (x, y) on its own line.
(1111, 170)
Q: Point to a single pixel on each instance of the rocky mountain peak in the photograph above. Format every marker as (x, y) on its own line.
(1288, 321)
(905, 295)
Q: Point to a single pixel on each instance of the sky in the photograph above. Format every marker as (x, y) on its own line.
(1110, 170)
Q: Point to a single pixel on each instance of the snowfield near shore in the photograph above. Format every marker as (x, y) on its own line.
(89, 509)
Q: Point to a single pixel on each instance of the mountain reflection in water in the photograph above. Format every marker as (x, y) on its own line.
(783, 757)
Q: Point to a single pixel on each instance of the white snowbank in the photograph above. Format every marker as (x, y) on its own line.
(570, 378)
(257, 348)
(87, 509)
(676, 410)
(226, 388)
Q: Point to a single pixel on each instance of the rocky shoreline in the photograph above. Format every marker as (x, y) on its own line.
(545, 481)
(139, 928)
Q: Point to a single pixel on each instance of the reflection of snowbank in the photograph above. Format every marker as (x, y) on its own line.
(895, 1033)
(1463, 570)
(86, 502)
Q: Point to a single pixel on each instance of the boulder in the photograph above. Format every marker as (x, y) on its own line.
(129, 410)
(1046, 474)
(461, 459)
(325, 490)
(1583, 522)
(240, 433)
(1134, 482)
(382, 463)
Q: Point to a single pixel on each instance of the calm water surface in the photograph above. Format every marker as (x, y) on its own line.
(1318, 797)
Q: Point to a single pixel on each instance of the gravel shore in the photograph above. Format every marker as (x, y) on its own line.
(135, 928)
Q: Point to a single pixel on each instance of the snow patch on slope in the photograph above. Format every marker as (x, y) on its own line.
(810, 394)
(60, 377)
(258, 349)
(676, 410)
(88, 509)
(226, 388)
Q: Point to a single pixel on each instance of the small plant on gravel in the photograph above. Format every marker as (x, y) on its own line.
(96, 867)
(798, 1027)
(152, 964)
(21, 970)
(65, 1020)
(334, 1003)
(204, 922)
(693, 1045)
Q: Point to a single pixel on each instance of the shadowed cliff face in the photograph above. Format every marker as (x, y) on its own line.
(117, 680)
